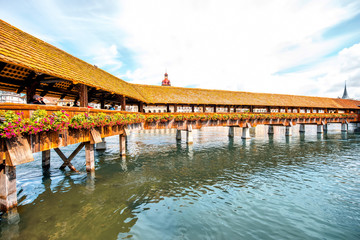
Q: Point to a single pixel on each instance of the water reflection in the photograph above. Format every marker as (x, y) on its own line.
(167, 187)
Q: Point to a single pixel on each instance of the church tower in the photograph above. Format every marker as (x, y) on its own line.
(166, 81)
(345, 94)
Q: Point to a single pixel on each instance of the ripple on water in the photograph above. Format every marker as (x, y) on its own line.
(293, 188)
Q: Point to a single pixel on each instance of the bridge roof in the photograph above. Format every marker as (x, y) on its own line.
(179, 95)
(22, 49)
(29, 53)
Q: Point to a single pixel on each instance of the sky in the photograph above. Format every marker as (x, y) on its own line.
(301, 47)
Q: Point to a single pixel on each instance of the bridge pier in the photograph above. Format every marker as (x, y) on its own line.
(101, 145)
(245, 133)
(325, 128)
(319, 129)
(178, 134)
(271, 130)
(189, 135)
(122, 143)
(8, 194)
(344, 127)
(89, 157)
(45, 159)
(288, 131)
(302, 128)
(231, 131)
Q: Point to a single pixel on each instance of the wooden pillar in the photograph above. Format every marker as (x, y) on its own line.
(122, 143)
(302, 128)
(192, 108)
(286, 109)
(141, 107)
(167, 108)
(89, 157)
(215, 109)
(178, 134)
(8, 194)
(288, 131)
(46, 159)
(245, 133)
(175, 107)
(102, 104)
(251, 108)
(231, 131)
(271, 130)
(204, 108)
(228, 109)
(189, 135)
(123, 103)
(83, 95)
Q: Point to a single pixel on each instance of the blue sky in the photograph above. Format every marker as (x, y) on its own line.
(291, 47)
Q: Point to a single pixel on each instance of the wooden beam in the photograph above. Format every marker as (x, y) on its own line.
(2, 66)
(68, 160)
(43, 94)
(32, 86)
(22, 84)
(68, 89)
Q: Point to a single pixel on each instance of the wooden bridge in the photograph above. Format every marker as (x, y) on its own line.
(31, 66)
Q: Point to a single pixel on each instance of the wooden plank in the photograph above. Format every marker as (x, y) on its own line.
(18, 151)
(95, 136)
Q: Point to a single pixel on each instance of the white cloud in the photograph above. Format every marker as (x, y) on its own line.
(235, 45)
(228, 44)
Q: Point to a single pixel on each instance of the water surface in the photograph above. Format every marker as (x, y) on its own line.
(300, 187)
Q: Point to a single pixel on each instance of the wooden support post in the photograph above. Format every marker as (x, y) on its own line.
(302, 128)
(231, 131)
(192, 108)
(178, 134)
(189, 135)
(325, 128)
(251, 108)
(31, 87)
(122, 143)
(228, 109)
(89, 157)
(215, 109)
(204, 108)
(141, 107)
(271, 130)
(286, 109)
(83, 94)
(102, 104)
(175, 107)
(167, 108)
(319, 129)
(8, 194)
(245, 133)
(344, 127)
(123, 103)
(288, 131)
(46, 159)
(67, 161)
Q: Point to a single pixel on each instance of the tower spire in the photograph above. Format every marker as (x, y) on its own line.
(345, 94)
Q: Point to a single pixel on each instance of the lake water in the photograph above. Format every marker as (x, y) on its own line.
(298, 187)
